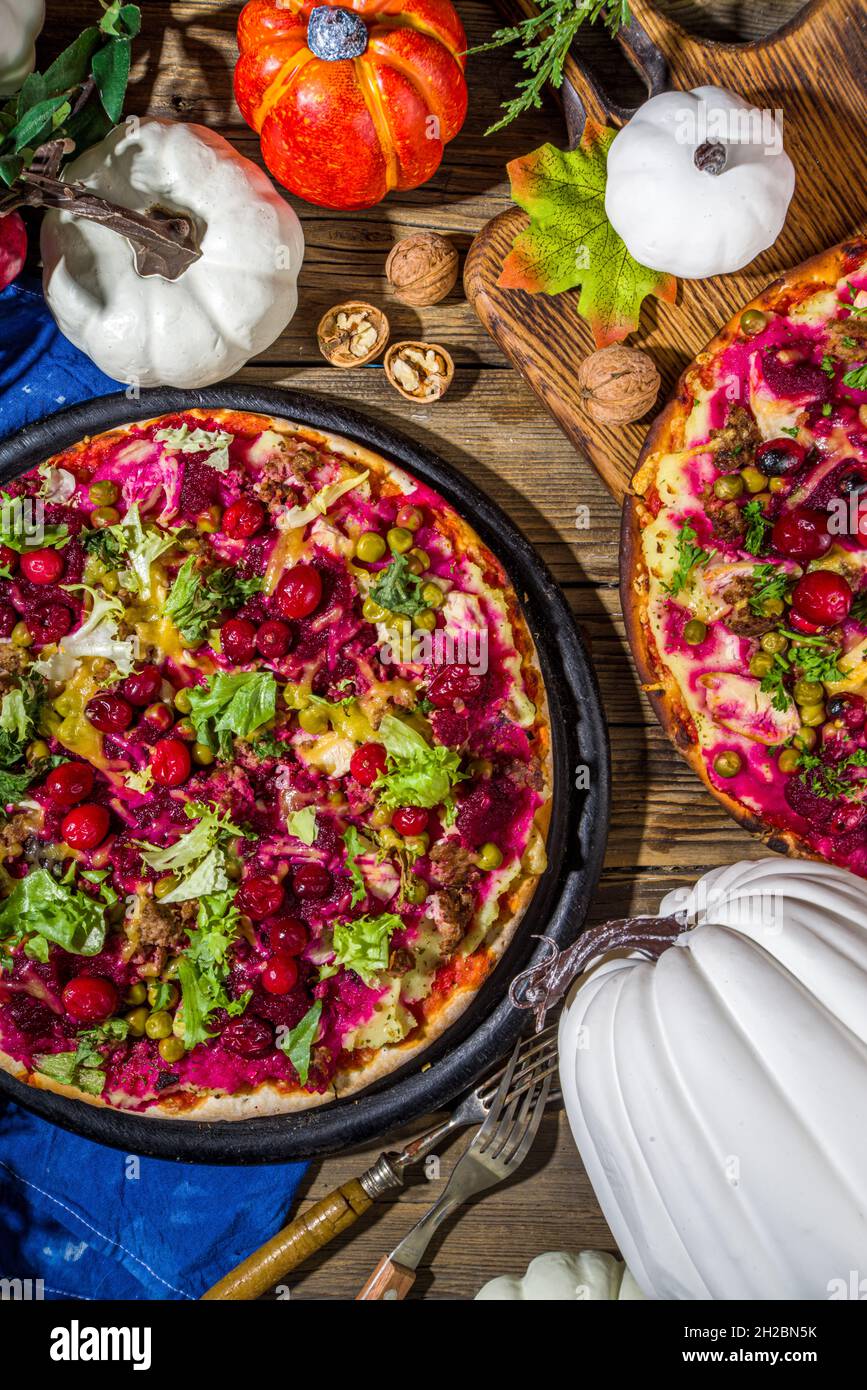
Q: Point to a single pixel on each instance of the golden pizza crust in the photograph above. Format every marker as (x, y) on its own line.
(275, 1099)
(666, 436)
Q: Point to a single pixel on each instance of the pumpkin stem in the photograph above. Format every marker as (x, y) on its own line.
(335, 34)
(542, 985)
(711, 157)
(164, 243)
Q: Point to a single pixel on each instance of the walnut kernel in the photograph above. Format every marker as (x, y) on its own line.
(419, 371)
(351, 334)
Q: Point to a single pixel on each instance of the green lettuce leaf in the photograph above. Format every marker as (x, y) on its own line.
(418, 773)
(302, 824)
(203, 967)
(98, 635)
(237, 702)
(213, 442)
(321, 501)
(131, 547)
(83, 1068)
(16, 514)
(57, 912)
(397, 589)
(298, 1042)
(197, 599)
(362, 946)
(198, 858)
(354, 847)
(19, 716)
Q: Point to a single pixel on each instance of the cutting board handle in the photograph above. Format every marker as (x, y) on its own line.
(585, 97)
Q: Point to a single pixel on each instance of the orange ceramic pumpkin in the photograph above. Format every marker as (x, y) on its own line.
(351, 100)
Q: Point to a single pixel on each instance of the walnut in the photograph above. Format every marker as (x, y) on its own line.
(422, 269)
(351, 334)
(419, 371)
(617, 385)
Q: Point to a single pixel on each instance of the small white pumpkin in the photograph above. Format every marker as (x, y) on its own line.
(719, 1097)
(698, 183)
(224, 309)
(20, 23)
(593, 1276)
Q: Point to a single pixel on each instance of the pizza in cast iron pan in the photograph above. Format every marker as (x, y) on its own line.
(275, 764)
(744, 562)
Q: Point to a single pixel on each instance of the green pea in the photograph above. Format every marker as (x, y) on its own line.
(399, 540)
(805, 739)
(137, 1020)
(812, 715)
(490, 856)
(418, 844)
(426, 619)
(774, 642)
(777, 485)
(21, 635)
(110, 582)
(171, 1049)
(37, 749)
(415, 891)
(154, 992)
(103, 492)
(432, 595)
(773, 607)
(163, 886)
(480, 767)
(234, 869)
(209, 521)
(137, 994)
(727, 764)
(755, 481)
(159, 1025)
(389, 839)
(372, 611)
(761, 664)
(753, 321)
(421, 559)
(182, 702)
(313, 720)
(808, 692)
(410, 518)
(694, 632)
(370, 547)
(789, 760)
(728, 487)
(101, 517)
(203, 756)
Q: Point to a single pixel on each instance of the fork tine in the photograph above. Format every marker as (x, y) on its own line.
(512, 1123)
(525, 1142)
(529, 1047)
(493, 1116)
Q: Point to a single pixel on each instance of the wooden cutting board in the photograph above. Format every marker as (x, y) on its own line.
(815, 70)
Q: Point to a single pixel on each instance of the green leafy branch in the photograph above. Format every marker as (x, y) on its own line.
(545, 39)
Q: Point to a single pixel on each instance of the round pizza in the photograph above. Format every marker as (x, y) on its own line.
(745, 562)
(274, 767)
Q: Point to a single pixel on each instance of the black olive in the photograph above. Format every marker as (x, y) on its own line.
(836, 705)
(775, 462)
(853, 483)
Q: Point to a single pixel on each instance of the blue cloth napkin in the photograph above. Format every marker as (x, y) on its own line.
(92, 1222)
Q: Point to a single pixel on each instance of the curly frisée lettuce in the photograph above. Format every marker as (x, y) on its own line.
(46, 911)
(418, 773)
(98, 636)
(320, 502)
(362, 946)
(131, 548)
(204, 968)
(214, 443)
(83, 1068)
(232, 703)
(198, 858)
(197, 599)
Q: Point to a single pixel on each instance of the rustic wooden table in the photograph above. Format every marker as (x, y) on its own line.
(665, 830)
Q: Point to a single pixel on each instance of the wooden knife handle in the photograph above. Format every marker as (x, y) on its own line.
(294, 1244)
(388, 1281)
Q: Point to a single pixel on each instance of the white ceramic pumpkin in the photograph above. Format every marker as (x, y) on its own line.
(698, 183)
(593, 1276)
(719, 1096)
(224, 309)
(20, 22)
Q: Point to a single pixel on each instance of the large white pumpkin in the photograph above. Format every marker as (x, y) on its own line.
(20, 22)
(228, 306)
(718, 1097)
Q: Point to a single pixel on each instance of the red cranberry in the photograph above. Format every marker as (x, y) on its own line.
(90, 998)
(453, 683)
(8, 558)
(69, 783)
(170, 762)
(288, 936)
(298, 592)
(799, 624)
(822, 597)
(238, 639)
(846, 818)
(367, 762)
(778, 456)
(273, 639)
(160, 716)
(259, 898)
(848, 707)
(85, 827)
(111, 714)
(410, 820)
(142, 686)
(248, 1037)
(243, 518)
(801, 534)
(8, 619)
(279, 975)
(49, 622)
(311, 881)
(42, 566)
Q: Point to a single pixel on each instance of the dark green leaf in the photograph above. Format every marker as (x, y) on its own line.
(10, 167)
(37, 123)
(72, 66)
(298, 1043)
(111, 74)
(32, 93)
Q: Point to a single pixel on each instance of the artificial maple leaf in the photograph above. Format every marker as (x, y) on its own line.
(570, 241)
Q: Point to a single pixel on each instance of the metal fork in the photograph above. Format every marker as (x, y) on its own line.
(496, 1151)
(311, 1231)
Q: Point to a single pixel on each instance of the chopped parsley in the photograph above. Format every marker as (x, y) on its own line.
(858, 611)
(773, 683)
(857, 378)
(758, 526)
(198, 599)
(768, 583)
(816, 656)
(827, 408)
(689, 554)
(829, 780)
(791, 430)
(829, 366)
(857, 311)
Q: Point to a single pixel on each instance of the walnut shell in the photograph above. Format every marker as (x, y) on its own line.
(422, 269)
(351, 334)
(618, 385)
(421, 372)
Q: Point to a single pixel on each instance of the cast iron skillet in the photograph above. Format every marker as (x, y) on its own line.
(576, 842)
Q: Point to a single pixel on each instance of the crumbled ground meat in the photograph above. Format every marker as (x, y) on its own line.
(150, 925)
(742, 620)
(14, 834)
(401, 961)
(737, 441)
(727, 521)
(451, 864)
(12, 658)
(278, 487)
(450, 911)
(526, 774)
(848, 339)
